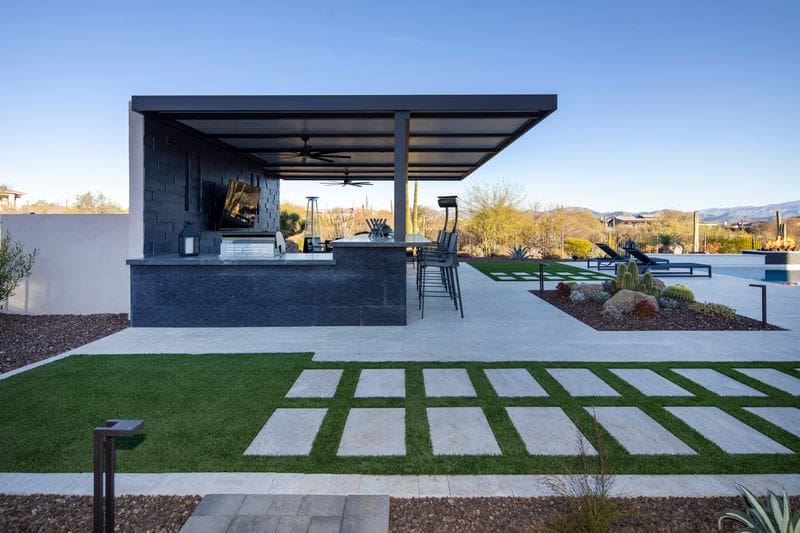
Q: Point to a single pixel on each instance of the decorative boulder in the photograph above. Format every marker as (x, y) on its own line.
(577, 296)
(657, 283)
(589, 290)
(624, 302)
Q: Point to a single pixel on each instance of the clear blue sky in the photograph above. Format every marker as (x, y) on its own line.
(661, 104)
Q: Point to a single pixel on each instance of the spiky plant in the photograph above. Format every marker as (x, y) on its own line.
(678, 292)
(518, 253)
(775, 516)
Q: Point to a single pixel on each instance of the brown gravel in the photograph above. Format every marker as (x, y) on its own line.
(683, 318)
(25, 339)
(48, 512)
(533, 514)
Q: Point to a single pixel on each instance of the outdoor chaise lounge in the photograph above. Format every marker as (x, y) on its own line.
(665, 267)
(606, 263)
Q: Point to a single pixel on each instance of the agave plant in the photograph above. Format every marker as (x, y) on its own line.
(774, 517)
(519, 253)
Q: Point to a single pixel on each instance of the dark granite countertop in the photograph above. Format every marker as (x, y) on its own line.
(365, 241)
(214, 260)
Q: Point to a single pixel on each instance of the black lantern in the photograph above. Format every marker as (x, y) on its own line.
(189, 240)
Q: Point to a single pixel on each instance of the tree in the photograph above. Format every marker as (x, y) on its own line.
(291, 223)
(497, 220)
(15, 264)
(95, 203)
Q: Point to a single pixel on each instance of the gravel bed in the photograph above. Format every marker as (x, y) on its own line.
(534, 514)
(25, 339)
(48, 512)
(682, 318)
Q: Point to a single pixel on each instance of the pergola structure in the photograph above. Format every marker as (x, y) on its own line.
(385, 137)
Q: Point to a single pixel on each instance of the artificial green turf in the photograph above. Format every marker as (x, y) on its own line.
(551, 268)
(202, 411)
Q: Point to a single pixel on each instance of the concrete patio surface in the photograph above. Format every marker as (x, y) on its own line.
(503, 322)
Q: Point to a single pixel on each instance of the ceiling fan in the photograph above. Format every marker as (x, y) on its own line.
(347, 181)
(308, 152)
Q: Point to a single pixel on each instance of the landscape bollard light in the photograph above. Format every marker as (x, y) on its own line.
(541, 277)
(104, 438)
(763, 302)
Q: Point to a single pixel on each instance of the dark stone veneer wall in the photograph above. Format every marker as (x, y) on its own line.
(366, 286)
(180, 171)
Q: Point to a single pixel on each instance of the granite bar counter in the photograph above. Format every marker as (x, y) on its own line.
(363, 282)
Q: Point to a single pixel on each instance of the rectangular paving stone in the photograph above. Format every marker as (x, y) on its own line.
(649, 383)
(447, 382)
(774, 378)
(206, 524)
(717, 382)
(316, 384)
(219, 505)
(325, 524)
(513, 382)
(727, 432)
(461, 431)
(322, 505)
(253, 524)
(374, 431)
(293, 524)
(381, 383)
(638, 433)
(366, 514)
(581, 382)
(548, 431)
(786, 418)
(288, 432)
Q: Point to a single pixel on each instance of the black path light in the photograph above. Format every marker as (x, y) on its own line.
(104, 442)
(189, 240)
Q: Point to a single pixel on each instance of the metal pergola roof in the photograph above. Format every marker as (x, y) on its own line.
(450, 136)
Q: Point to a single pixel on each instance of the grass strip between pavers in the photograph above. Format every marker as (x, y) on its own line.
(551, 270)
(202, 411)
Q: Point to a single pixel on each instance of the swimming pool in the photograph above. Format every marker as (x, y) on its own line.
(761, 274)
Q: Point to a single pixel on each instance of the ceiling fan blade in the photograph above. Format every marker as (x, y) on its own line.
(325, 154)
(317, 158)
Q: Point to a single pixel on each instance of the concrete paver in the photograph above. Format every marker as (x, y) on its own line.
(774, 378)
(581, 382)
(513, 382)
(461, 431)
(381, 383)
(548, 431)
(374, 431)
(288, 432)
(727, 432)
(786, 418)
(717, 382)
(649, 383)
(316, 384)
(638, 433)
(447, 382)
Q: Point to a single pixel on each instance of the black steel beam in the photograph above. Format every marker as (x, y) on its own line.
(316, 135)
(370, 150)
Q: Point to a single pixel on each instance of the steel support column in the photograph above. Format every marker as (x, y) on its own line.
(401, 120)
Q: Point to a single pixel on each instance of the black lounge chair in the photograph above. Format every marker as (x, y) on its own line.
(665, 267)
(606, 263)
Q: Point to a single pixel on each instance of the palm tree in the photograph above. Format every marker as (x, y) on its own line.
(291, 223)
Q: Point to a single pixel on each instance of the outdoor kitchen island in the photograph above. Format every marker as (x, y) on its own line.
(363, 282)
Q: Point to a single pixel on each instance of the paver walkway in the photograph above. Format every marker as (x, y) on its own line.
(638, 433)
(727, 432)
(786, 418)
(447, 382)
(374, 431)
(548, 431)
(513, 383)
(581, 382)
(649, 383)
(774, 378)
(461, 431)
(717, 382)
(288, 432)
(289, 513)
(315, 384)
(381, 383)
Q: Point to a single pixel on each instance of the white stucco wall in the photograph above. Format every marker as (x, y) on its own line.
(81, 264)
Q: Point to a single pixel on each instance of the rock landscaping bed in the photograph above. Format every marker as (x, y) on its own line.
(590, 312)
(51, 512)
(25, 339)
(534, 514)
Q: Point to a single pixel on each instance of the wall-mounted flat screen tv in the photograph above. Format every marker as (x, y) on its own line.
(241, 206)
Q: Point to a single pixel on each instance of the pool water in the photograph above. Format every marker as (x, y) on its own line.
(761, 274)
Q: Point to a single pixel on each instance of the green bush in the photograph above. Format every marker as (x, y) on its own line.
(580, 248)
(15, 264)
(773, 516)
(678, 292)
(714, 310)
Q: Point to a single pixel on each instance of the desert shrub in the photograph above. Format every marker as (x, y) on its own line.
(550, 253)
(600, 296)
(668, 303)
(713, 310)
(645, 309)
(518, 253)
(678, 292)
(15, 265)
(579, 248)
(713, 247)
(590, 508)
(563, 289)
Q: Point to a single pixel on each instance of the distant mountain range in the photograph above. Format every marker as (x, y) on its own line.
(734, 214)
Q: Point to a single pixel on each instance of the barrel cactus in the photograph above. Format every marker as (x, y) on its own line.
(678, 292)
